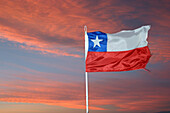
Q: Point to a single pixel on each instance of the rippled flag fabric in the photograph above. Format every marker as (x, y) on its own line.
(122, 51)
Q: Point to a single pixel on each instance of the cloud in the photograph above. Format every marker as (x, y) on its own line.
(48, 25)
(160, 49)
(56, 26)
(163, 112)
(29, 88)
(50, 51)
(126, 94)
(130, 95)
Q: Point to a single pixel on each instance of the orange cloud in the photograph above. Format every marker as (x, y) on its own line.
(160, 49)
(44, 91)
(56, 26)
(49, 51)
(49, 26)
(124, 94)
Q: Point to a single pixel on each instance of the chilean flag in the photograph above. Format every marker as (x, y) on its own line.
(122, 51)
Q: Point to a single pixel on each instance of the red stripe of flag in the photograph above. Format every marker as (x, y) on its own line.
(117, 61)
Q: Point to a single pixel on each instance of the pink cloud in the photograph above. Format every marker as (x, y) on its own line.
(160, 49)
(125, 94)
(46, 27)
(55, 27)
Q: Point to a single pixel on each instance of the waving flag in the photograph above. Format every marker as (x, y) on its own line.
(122, 51)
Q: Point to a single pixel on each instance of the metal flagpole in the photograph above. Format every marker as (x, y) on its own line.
(87, 106)
(86, 75)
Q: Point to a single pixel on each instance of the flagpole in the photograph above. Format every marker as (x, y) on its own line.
(87, 106)
(86, 74)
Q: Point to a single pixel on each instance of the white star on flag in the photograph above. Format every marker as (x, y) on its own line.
(96, 41)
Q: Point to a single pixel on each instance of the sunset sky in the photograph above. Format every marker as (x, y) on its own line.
(42, 57)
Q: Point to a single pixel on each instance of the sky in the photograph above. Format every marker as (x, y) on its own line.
(42, 57)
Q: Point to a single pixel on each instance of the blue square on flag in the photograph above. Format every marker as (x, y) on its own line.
(97, 41)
